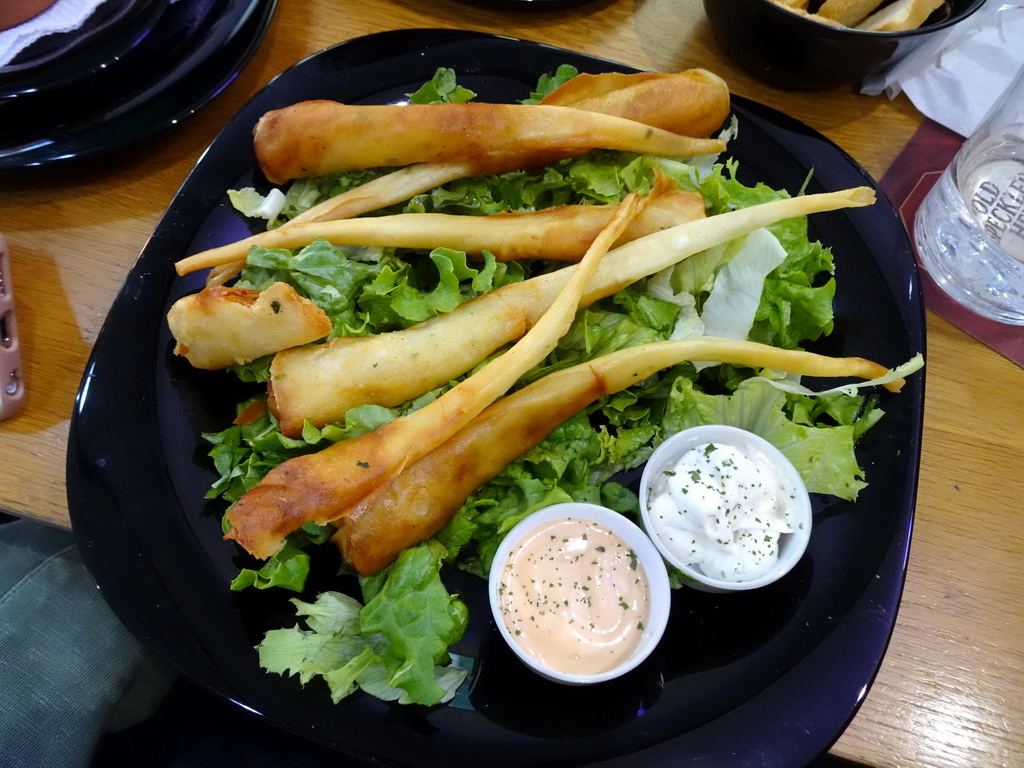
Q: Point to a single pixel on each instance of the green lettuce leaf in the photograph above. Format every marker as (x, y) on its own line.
(329, 642)
(370, 290)
(394, 647)
(796, 299)
(287, 569)
(563, 467)
(324, 273)
(823, 454)
(243, 453)
(549, 82)
(412, 620)
(442, 88)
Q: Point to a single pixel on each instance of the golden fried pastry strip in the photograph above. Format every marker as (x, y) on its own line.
(414, 505)
(690, 103)
(316, 138)
(900, 16)
(219, 327)
(317, 487)
(848, 12)
(319, 383)
(562, 233)
(394, 187)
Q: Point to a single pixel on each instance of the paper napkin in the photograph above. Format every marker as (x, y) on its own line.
(956, 77)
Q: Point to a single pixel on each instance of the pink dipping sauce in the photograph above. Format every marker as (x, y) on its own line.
(575, 597)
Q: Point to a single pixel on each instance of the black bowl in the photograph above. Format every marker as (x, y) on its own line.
(791, 51)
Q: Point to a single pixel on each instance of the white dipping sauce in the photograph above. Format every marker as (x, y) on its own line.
(722, 510)
(574, 596)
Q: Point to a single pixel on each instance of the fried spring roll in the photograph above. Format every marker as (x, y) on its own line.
(413, 506)
(321, 382)
(391, 188)
(219, 326)
(562, 233)
(316, 138)
(317, 487)
(692, 103)
(900, 16)
(700, 106)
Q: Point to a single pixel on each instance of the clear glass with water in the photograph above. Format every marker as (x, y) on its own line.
(969, 229)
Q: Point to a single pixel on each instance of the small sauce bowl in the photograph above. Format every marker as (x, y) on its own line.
(593, 584)
(769, 460)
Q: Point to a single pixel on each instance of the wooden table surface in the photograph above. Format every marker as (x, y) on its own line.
(951, 689)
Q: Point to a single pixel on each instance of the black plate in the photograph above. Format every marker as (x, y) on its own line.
(47, 57)
(530, 5)
(184, 54)
(779, 672)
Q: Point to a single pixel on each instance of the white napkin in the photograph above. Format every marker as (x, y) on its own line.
(62, 16)
(955, 78)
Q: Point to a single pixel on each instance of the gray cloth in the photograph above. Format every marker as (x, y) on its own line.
(69, 670)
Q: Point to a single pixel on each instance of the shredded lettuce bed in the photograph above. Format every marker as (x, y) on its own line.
(774, 287)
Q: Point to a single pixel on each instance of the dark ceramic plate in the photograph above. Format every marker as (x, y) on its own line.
(779, 672)
(530, 5)
(185, 54)
(106, 34)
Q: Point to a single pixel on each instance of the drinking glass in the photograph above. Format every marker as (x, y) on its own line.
(969, 230)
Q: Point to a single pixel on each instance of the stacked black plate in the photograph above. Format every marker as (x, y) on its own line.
(135, 67)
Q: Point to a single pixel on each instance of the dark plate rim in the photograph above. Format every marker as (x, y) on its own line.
(95, 31)
(235, 33)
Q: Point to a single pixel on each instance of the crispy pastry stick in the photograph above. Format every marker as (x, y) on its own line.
(385, 190)
(316, 138)
(321, 382)
(691, 103)
(316, 487)
(415, 505)
(405, 183)
(221, 326)
(562, 233)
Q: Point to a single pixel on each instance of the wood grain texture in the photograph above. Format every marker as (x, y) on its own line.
(951, 689)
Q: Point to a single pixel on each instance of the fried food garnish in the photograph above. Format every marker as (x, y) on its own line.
(316, 487)
(900, 16)
(414, 505)
(562, 233)
(320, 382)
(867, 15)
(691, 103)
(219, 327)
(316, 138)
